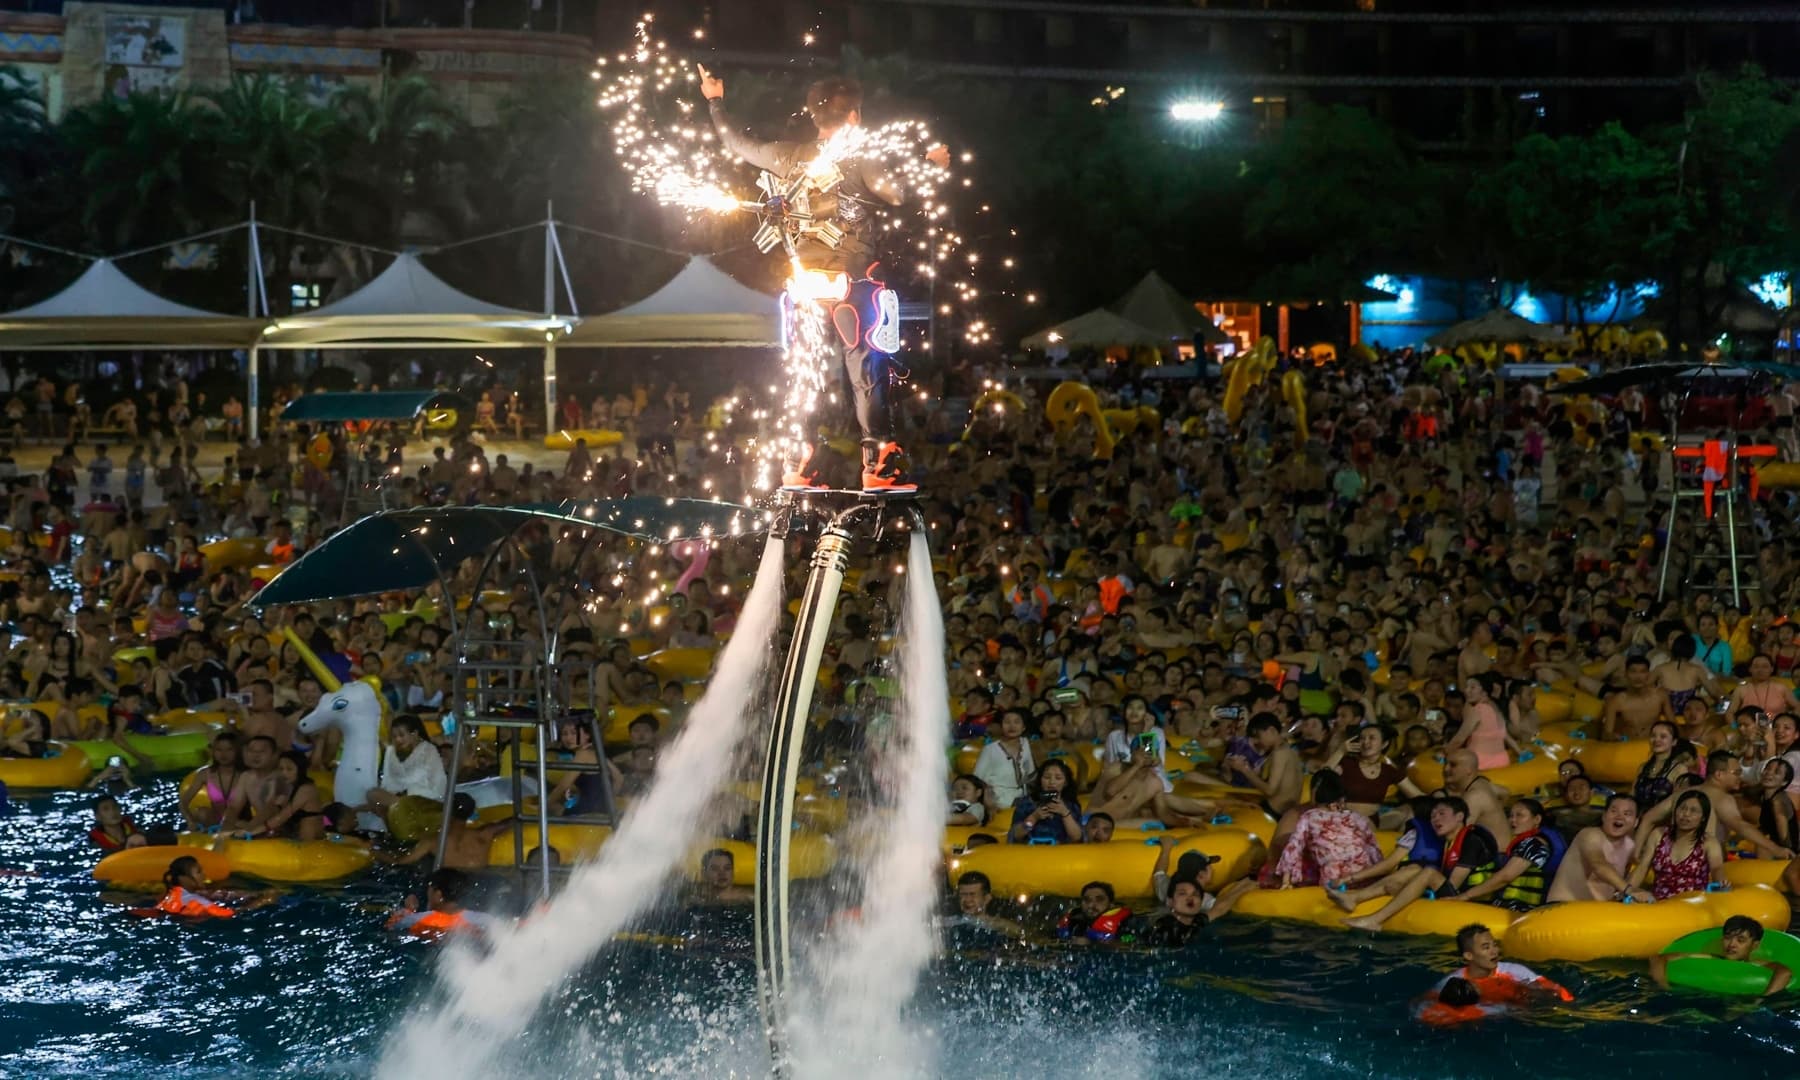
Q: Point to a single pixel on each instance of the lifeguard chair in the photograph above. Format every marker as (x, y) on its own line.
(1720, 475)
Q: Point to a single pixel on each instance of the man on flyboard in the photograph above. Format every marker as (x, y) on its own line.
(833, 251)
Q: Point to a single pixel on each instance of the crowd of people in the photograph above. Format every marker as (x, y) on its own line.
(1301, 613)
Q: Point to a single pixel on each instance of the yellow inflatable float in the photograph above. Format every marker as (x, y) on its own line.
(572, 843)
(233, 554)
(997, 402)
(1741, 871)
(1603, 930)
(1293, 391)
(594, 437)
(1563, 702)
(191, 720)
(301, 862)
(61, 767)
(812, 855)
(1062, 869)
(1431, 918)
(1072, 399)
(146, 865)
(1615, 762)
(687, 665)
(1520, 778)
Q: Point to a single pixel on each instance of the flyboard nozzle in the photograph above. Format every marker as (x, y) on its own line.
(833, 552)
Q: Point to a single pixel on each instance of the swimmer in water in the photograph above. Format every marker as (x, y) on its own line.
(1485, 985)
(1737, 941)
(186, 895)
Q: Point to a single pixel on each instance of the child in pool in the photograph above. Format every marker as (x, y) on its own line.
(187, 896)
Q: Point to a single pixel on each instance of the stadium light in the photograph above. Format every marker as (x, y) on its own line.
(1197, 111)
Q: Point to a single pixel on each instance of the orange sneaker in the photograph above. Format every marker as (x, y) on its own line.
(884, 470)
(798, 473)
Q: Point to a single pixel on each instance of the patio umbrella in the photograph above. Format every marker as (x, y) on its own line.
(1499, 326)
(1695, 375)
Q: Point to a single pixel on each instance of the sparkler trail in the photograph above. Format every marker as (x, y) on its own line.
(674, 155)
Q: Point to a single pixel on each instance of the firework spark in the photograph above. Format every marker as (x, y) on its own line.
(673, 155)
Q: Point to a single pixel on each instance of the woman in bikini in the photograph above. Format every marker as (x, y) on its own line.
(214, 780)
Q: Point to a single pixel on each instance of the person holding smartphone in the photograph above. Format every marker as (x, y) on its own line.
(1050, 812)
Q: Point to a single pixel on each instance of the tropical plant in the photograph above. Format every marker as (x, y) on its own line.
(398, 177)
(276, 148)
(150, 169)
(22, 132)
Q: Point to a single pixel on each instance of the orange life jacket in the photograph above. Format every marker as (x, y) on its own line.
(1112, 590)
(437, 923)
(178, 901)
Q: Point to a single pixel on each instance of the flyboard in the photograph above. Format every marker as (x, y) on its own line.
(845, 523)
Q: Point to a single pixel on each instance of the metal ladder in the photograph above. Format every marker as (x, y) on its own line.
(365, 485)
(1729, 535)
(508, 686)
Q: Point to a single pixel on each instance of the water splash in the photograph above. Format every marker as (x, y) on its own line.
(868, 973)
(489, 999)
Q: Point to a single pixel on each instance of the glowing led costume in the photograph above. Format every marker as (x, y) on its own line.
(821, 212)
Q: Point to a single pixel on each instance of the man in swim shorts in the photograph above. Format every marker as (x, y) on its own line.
(1599, 858)
(1739, 939)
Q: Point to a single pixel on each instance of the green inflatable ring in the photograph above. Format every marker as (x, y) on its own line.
(176, 752)
(1717, 975)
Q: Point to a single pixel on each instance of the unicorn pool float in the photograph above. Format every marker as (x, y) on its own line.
(359, 713)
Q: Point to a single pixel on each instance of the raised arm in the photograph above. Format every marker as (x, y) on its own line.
(763, 155)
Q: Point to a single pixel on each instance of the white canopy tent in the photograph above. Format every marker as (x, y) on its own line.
(104, 309)
(1155, 303)
(407, 306)
(700, 306)
(1099, 328)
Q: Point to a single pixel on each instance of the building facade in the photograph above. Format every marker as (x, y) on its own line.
(82, 51)
(1448, 72)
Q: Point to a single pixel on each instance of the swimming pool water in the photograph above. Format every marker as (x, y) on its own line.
(310, 988)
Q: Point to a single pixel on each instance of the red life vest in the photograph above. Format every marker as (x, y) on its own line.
(107, 843)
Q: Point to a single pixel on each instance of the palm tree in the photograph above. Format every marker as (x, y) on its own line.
(276, 147)
(22, 128)
(149, 167)
(397, 172)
